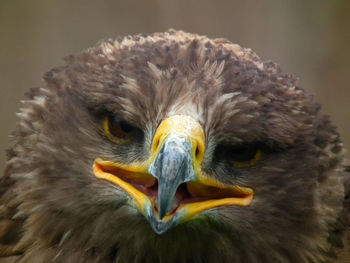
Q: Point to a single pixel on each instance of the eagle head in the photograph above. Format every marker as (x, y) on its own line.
(172, 147)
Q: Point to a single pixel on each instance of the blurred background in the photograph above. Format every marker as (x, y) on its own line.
(308, 38)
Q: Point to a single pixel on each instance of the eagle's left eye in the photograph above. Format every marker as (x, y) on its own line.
(119, 131)
(244, 155)
(240, 156)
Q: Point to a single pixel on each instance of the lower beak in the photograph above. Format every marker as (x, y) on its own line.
(170, 188)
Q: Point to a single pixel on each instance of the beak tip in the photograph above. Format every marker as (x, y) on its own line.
(162, 208)
(161, 215)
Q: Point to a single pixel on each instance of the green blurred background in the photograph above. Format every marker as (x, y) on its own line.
(308, 38)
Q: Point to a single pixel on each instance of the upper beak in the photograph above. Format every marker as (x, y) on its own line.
(172, 167)
(170, 187)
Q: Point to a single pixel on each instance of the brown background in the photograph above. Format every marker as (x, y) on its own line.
(308, 38)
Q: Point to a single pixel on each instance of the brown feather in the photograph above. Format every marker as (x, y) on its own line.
(53, 209)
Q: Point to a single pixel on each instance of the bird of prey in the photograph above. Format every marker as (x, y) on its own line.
(173, 147)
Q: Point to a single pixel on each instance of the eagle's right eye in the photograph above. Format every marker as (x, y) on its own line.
(119, 131)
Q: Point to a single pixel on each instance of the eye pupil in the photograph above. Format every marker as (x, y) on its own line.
(126, 127)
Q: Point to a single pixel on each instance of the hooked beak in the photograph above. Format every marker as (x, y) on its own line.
(172, 167)
(170, 187)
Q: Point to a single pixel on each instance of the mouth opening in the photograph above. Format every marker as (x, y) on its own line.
(187, 194)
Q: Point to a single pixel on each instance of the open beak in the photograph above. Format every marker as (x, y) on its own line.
(170, 187)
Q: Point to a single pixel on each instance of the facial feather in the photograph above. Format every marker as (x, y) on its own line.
(67, 215)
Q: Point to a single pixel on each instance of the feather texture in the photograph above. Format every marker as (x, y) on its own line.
(53, 209)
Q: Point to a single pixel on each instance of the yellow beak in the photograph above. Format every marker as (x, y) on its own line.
(170, 187)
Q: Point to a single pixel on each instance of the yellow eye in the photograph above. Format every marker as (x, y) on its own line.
(253, 159)
(119, 131)
(242, 156)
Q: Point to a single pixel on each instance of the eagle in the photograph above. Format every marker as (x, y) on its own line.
(173, 147)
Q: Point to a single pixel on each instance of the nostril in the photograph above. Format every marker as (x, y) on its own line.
(156, 144)
(197, 152)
